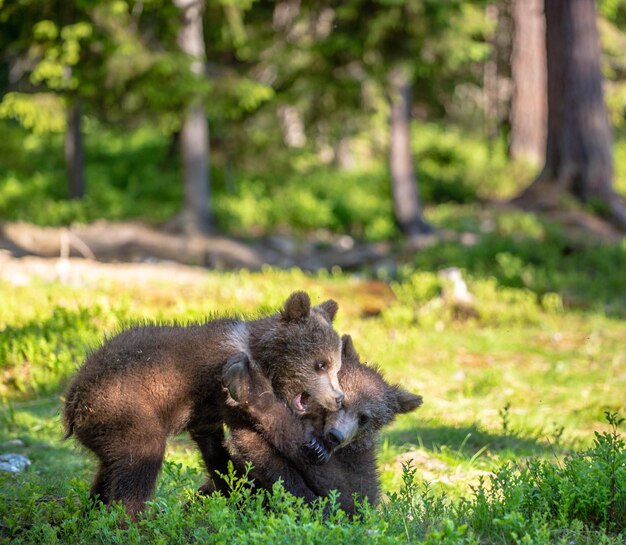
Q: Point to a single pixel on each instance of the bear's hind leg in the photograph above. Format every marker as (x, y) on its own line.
(133, 474)
(210, 441)
(101, 485)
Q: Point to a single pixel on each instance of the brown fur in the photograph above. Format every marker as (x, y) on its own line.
(276, 441)
(152, 381)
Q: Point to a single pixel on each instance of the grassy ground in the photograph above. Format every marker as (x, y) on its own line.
(525, 378)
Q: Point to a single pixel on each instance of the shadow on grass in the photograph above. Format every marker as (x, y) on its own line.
(34, 430)
(467, 441)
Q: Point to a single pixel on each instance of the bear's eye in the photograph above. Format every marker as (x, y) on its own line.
(363, 419)
(320, 365)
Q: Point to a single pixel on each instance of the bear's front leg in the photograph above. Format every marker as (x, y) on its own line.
(249, 390)
(315, 452)
(252, 393)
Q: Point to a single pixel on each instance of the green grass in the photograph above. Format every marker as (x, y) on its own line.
(516, 391)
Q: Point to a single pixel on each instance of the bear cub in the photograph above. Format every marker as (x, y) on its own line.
(152, 381)
(290, 447)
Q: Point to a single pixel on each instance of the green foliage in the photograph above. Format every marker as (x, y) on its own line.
(580, 499)
(521, 252)
(357, 203)
(619, 157)
(517, 269)
(54, 52)
(58, 57)
(577, 501)
(415, 511)
(33, 188)
(40, 112)
(587, 488)
(244, 517)
(330, 62)
(136, 175)
(613, 65)
(121, 60)
(455, 166)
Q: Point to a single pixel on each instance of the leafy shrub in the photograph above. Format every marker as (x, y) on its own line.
(457, 167)
(347, 202)
(581, 499)
(588, 487)
(126, 178)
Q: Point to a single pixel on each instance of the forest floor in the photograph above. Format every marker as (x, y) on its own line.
(106, 241)
(139, 242)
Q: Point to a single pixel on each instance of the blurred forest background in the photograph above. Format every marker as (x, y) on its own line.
(367, 118)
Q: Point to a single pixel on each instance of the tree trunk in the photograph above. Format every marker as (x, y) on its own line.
(194, 143)
(491, 96)
(406, 203)
(74, 152)
(194, 135)
(529, 74)
(497, 73)
(578, 146)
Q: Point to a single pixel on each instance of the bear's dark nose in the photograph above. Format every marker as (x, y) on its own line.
(334, 437)
(339, 399)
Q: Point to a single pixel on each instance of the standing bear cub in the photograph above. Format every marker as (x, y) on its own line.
(319, 451)
(152, 381)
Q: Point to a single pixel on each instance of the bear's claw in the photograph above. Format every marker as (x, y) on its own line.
(316, 452)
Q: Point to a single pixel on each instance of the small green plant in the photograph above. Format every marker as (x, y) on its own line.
(451, 533)
(416, 510)
(505, 418)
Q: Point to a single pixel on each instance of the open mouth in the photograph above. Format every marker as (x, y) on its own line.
(301, 402)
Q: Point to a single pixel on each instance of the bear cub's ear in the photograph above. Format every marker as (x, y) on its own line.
(405, 401)
(328, 309)
(348, 352)
(297, 307)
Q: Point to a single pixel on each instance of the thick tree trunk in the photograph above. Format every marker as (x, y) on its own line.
(74, 153)
(406, 203)
(194, 135)
(529, 74)
(578, 146)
